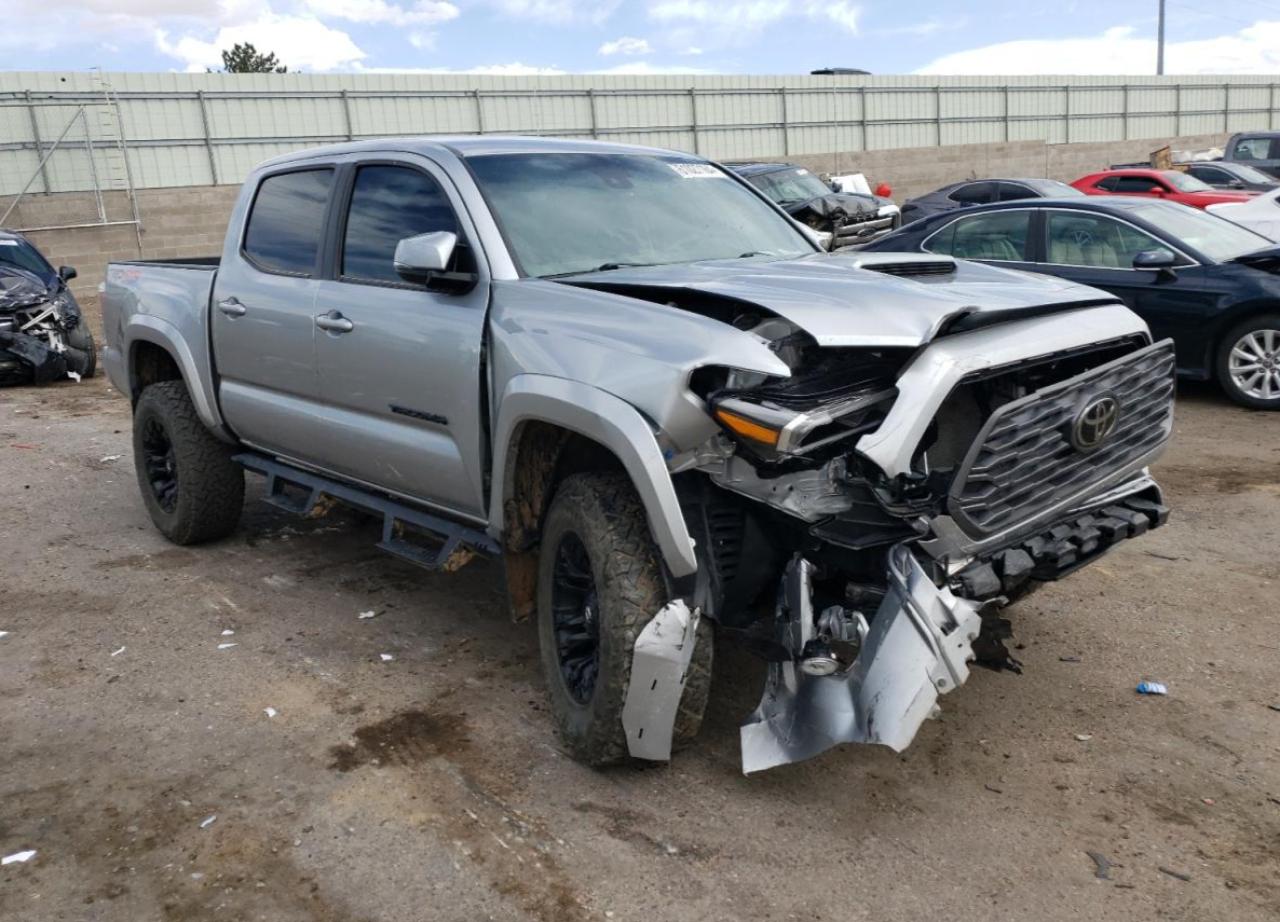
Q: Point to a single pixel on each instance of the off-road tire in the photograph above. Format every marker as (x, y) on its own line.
(82, 351)
(605, 513)
(1222, 362)
(210, 486)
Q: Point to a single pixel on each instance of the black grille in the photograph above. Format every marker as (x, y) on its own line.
(1023, 462)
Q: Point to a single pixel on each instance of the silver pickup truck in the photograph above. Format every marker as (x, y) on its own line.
(676, 420)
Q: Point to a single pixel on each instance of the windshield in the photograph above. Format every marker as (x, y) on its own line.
(1051, 188)
(1215, 237)
(1184, 182)
(1252, 174)
(14, 252)
(564, 213)
(787, 187)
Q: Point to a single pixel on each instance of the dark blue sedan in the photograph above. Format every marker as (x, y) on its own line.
(1211, 285)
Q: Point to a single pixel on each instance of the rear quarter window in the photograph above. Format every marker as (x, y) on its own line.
(286, 222)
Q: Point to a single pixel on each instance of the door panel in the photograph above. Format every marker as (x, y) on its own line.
(401, 379)
(262, 310)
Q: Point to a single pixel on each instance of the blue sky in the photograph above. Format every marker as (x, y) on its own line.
(647, 36)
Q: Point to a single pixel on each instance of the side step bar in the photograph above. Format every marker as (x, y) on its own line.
(449, 545)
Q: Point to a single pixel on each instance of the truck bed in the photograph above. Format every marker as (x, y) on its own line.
(166, 302)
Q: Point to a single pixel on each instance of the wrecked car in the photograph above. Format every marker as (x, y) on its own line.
(626, 373)
(841, 219)
(43, 335)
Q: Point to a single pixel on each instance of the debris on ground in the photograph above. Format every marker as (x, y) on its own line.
(1274, 707)
(118, 652)
(270, 712)
(1083, 737)
(107, 459)
(1208, 801)
(4, 633)
(366, 615)
(18, 857)
(993, 789)
(227, 646)
(1101, 865)
(208, 821)
(1180, 875)
(386, 657)
(1152, 688)
(228, 632)
(276, 581)
(1070, 659)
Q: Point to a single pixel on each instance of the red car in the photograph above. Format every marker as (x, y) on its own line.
(1173, 185)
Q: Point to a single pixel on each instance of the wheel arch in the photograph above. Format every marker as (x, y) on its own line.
(156, 352)
(548, 428)
(1232, 318)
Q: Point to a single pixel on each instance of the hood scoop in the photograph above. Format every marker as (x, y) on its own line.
(906, 265)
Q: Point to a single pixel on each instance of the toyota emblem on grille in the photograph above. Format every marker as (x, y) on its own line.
(1095, 422)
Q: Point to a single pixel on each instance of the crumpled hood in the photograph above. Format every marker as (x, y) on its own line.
(840, 304)
(19, 289)
(835, 205)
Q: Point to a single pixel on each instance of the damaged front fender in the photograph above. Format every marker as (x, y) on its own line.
(918, 647)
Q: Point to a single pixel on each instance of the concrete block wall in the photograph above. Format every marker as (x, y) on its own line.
(192, 220)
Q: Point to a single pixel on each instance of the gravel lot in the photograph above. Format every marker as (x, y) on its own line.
(430, 787)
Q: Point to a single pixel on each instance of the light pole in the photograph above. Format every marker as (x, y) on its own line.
(1160, 42)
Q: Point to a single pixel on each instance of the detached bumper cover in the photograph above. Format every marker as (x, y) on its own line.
(918, 648)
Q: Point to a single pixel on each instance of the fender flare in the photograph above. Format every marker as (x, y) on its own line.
(610, 421)
(159, 332)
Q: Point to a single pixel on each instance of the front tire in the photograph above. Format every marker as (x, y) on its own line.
(191, 487)
(82, 351)
(1248, 363)
(599, 584)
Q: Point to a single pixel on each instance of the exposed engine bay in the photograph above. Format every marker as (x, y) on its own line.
(869, 590)
(41, 332)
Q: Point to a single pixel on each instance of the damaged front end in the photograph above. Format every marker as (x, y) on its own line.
(36, 326)
(898, 500)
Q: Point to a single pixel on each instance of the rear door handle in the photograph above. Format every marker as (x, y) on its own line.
(334, 322)
(232, 307)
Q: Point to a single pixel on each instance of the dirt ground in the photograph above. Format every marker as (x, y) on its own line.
(138, 758)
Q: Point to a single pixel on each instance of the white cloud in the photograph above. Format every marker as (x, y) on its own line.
(748, 14)
(559, 11)
(1252, 50)
(625, 45)
(299, 42)
(419, 12)
(841, 12)
(735, 21)
(644, 68)
(514, 69)
(423, 41)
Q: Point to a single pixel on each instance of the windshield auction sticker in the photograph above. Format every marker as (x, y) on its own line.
(696, 170)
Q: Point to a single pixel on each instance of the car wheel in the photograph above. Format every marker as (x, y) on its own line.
(599, 584)
(1248, 363)
(191, 487)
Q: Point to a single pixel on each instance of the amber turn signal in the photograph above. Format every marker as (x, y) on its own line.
(748, 429)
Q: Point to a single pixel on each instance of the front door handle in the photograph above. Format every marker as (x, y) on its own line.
(232, 307)
(334, 322)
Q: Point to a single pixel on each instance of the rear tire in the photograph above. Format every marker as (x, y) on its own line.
(1248, 362)
(191, 487)
(599, 583)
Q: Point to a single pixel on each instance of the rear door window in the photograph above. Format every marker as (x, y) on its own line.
(1012, 191)
(1253, 149)
(1000, 236)
(1136, 185)
(388, 204)
(975, 193)
(287, 221)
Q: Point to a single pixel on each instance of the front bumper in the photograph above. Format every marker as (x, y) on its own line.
(921, 640)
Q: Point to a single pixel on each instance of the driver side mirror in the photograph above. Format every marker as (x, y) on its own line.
(1160, 260)
(67, 273)
(1236, 184)
(425, 260)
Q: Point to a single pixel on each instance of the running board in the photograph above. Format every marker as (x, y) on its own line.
(450, 545)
